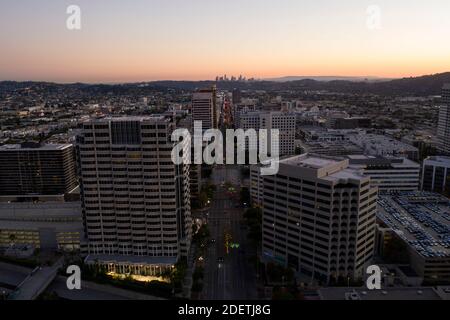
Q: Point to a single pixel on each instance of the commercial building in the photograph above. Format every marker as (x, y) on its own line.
(436, 175)
(388, 174)
(195, 170)
(31, 170)
(244, 106)
(236, 96)
(320, 134)
(444, 121)
(284, 122)
(328, 148)
(349, 123)
(204, 108)
(379, 145)
(318, 217)
(195, 179)
(422, 221)
(45, 226)
(386, 293)
(333, 116)
(136, 201)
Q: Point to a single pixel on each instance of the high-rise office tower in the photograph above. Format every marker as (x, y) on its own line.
(444, 122)
(136, 201)
(195, 170)
(318, 217)
(284, 122)
(34, 170)
(204, 108)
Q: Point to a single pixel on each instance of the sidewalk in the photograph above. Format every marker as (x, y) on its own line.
(187, 285)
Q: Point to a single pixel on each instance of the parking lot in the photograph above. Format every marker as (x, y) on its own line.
(420, 218)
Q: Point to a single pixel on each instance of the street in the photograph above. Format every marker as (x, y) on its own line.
(234, 278)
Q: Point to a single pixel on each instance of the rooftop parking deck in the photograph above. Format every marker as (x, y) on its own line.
(422, 219)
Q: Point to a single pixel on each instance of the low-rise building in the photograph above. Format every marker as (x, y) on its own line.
(43, 225)
(388, 173)
(379, 145)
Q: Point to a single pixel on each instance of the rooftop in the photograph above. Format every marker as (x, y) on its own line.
(34, 216)
(440, 159)
(44, 147)
(379, 141)
(393, 162)
(400, 293)
(422, 219)
(326, 167)
(310, 162)
(155, 117)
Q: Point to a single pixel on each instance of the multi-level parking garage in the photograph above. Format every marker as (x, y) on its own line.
(422, 220)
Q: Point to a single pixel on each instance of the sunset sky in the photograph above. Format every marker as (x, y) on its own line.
(143, 40)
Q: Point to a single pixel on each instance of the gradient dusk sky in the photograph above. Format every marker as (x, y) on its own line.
(140, 40)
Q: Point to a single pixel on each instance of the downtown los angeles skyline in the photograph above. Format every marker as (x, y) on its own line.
(197, 40)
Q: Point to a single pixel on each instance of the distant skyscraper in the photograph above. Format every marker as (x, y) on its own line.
(204, 107)
(444, 122)
(32, 170)
(136, 201)
(318, 217)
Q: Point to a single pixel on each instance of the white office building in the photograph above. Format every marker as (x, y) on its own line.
(284, 122)
(318, 217)
(444, 122)
(388, 174)
(136, 201)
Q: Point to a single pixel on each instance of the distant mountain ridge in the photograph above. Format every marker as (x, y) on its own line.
(328, 78)
(413, 86)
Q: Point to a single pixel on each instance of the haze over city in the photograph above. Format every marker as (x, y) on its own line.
(194, 40)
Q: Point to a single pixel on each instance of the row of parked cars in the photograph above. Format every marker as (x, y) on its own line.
(415, 219)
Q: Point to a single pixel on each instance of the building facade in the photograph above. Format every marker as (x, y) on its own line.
(318, 217)
(436, 175)
(47, 226)
(388, 174)
(444, 122)
(204, 108)
(33, 170)
(284, 122)
(136, 201)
